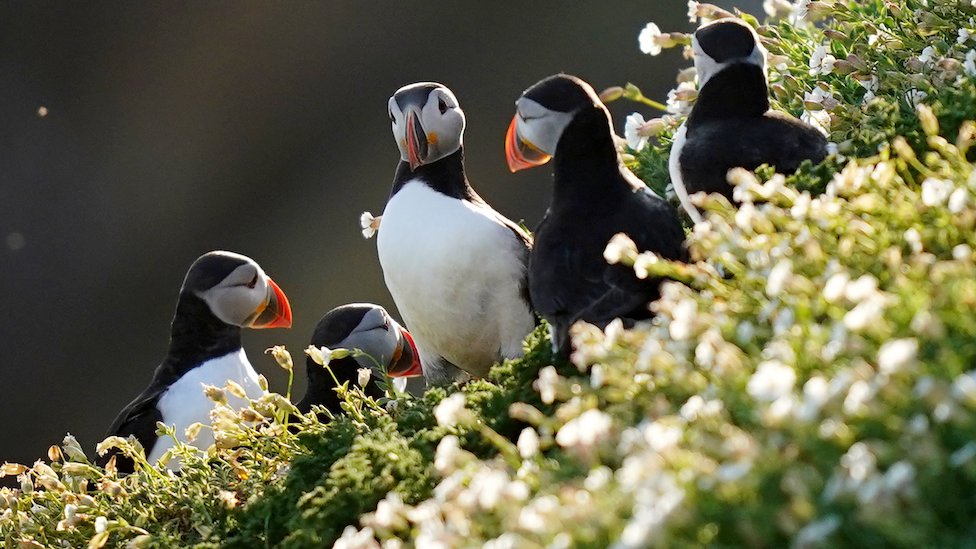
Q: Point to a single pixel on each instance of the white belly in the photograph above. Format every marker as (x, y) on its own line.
(454, 272)
(184, 403)
(674, 169)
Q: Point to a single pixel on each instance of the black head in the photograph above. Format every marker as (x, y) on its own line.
(237, 291)
(723, 42)
(542, 114)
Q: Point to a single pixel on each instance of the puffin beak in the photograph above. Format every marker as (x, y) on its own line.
(520, 153)
(406, 360)
(416, 141)
(275, 312)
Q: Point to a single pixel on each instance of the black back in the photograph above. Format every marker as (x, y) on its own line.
(196, 337)
(594, 198)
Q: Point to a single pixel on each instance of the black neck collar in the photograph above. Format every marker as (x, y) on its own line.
(445, 176)
(739, 90)
(321, 386)
(197, 336)
(586, 164)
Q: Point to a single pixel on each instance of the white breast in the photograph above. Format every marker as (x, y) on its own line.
(184, 403)
(454, 272)
(674, 168)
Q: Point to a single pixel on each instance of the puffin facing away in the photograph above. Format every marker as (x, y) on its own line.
(731, 124)
(370, 329)
(455, 267)
(222, 293)
(594, 197)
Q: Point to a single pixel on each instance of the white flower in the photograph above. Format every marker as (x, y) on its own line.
(857, 396)
(632, 126)
(777, 8)
(101, 525)
(862, 288)
(528, 443)
(914, 96)
(369, 224)
(771, 380)
(821, 97)
(692, 11)
(449, 411)
(546, 384)
(660, 436)
(816, 532)
(964, 35)
(928, 55)
(680, 99)
(895, 355)
(445, 457)
(871, 85)
(958, 200)
(969, 65)
(585, 431)
(935, 192)
(778, 276)
(362, 376)
(834, 288)
(914, 239)
(619, 247)
(819, 119)
(865, 313)
(648, 39)
(355, 539)
(821, 62)
(962, 455)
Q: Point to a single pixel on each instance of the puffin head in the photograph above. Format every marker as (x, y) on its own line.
(722, 43)
(237, 291)
(542, 114)
(373, 331)
(427, 122)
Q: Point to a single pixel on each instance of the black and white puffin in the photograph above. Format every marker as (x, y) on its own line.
(222, 293)
(594, 197)
(455, 267)
(731, 124)
(370, 329)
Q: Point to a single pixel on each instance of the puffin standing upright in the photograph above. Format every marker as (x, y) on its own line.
(370, 329)
(455, 267)
(731, 124)
(222, 293)
(594, 197)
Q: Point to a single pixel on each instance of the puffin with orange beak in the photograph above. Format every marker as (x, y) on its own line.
(455, 267)
(222, 293)
(594, 197)
(378, 344)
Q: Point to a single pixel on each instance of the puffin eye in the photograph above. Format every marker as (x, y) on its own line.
(442, 105)
(253, 282)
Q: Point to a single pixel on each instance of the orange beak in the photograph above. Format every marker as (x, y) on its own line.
(406, 362)
(275, 312)
(416, 142)
(520, 153)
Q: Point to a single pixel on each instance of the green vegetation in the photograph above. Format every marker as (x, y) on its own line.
(810, 384)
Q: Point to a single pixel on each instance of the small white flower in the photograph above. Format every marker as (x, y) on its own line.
(819, 97)
(681, 99)
(356, 539)
(778, 276)
(835, 286)
(914, 239)
(815, 533)
(928, 55)
(771, 380)
(692, 11)
(964, 35)
(632, 126)
(819, 119)
(958, 200)
(862, 288)
(648, 39)
(369, 224)
(528, 443)
(363, 375)
(546, 384)
(895, 355)
(962, 455)
(585, 431)
(449, 411)
(101, 525)
(935, 191)
(865, 313)
(445, 457)
(969, 65)
(962, 252)
(821, 62)
(914, 96)
(660, 436)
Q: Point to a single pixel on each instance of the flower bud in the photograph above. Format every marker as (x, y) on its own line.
(11, 469)
(611, 94)
(835, 35)
(282, 356)
(930, 124)
(215, 394)
(687, 75)
(54, 454)
(251, 415)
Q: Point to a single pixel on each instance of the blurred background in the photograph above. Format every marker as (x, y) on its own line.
(136, 136)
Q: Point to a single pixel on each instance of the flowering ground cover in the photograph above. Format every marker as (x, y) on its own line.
(809, 381)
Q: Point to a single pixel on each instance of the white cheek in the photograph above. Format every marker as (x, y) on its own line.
(544, 132)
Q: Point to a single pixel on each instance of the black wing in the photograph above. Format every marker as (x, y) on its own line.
(777, 139)
(139, 418)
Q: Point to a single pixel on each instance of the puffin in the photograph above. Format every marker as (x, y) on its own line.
(731, 124)
(222, 293)
(386, 345)
(594, 197)
(456, 268)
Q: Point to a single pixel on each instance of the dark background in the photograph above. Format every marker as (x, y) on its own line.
(175, 128)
